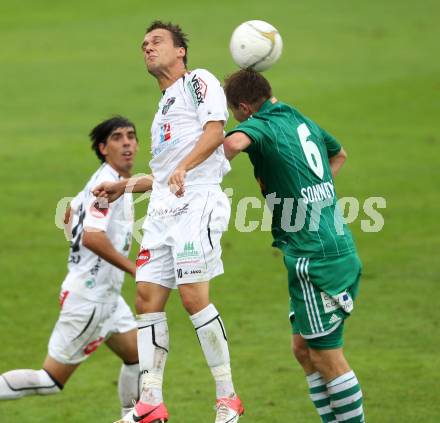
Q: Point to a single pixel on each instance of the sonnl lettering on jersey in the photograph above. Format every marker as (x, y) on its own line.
(318, 192)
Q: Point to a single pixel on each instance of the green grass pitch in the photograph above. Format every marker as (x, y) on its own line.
(369, 72)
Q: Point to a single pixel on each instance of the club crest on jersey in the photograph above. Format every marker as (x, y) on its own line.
(143, 257)
(165, 132)
(168, 105)
(99, 208)
(198, 88)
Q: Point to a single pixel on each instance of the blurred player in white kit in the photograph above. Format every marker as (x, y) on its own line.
(92, 308)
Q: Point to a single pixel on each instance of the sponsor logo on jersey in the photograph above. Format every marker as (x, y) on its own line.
(90, 283)
(164, 145)
(330, 304)
(345, 301)
(172, 211)
(190, 272)
(165, 132)
(188, 251)
(93, 346)
(198, 89)
(143, 258)
(168, 105)
(99, 208)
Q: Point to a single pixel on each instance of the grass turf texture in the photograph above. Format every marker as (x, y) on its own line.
(366, 72)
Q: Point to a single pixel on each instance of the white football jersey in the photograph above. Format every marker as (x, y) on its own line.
(89, 275)
(185, 108)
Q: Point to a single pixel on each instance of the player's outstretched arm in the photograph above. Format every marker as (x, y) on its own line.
(98, 242)
(337, 161)
(209, 141)
(235, 143)
(113, 190)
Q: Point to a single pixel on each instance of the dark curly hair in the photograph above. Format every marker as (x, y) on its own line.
(100, 133)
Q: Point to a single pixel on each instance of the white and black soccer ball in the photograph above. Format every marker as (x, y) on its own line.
(256, 45)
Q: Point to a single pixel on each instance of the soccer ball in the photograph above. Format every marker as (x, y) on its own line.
(256, 45)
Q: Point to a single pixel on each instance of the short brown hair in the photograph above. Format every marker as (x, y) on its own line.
(180, 39)
(246, 86)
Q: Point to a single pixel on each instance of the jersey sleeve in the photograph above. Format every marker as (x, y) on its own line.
(97, 213)
(76, 201)
(332, 145)
(256, 130)
(208, 96)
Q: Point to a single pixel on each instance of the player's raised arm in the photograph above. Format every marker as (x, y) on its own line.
(113, 190)
(209, 141)
(235, 143)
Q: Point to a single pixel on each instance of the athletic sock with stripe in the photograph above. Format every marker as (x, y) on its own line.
(153, 345)
(346, 398)
(212, 336)
(320, 397)
(23, 382)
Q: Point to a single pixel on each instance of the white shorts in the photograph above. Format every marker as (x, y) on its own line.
(181, 241)
(84, 325)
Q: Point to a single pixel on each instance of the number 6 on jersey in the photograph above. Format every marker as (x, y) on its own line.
(311, 151)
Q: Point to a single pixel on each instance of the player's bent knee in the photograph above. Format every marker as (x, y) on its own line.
(150, 298)
(145, 303)
(192, 306)
(16, 384)
(195, 297)
(330, 362)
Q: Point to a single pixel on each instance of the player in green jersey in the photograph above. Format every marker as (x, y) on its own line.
(295, 162)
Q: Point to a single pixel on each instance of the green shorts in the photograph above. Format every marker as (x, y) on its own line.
(322, 293)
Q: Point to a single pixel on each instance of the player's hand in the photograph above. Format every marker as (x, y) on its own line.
(68, 216)
(109, 190)
(177, 182)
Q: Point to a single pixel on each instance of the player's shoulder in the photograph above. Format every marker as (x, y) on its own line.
(105, 173)
(203, 74)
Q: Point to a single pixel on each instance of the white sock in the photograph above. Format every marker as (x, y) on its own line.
(153, 345)
(212, 336)
(320, 397)
(128, 386)
(346, 398)
(23, 382)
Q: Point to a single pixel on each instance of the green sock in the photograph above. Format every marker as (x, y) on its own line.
(346, 398)
(320, 397)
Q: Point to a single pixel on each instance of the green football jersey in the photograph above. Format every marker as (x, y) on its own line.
(290, 155)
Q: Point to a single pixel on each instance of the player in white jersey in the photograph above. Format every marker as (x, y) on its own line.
(181, 245)
(92, 308)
